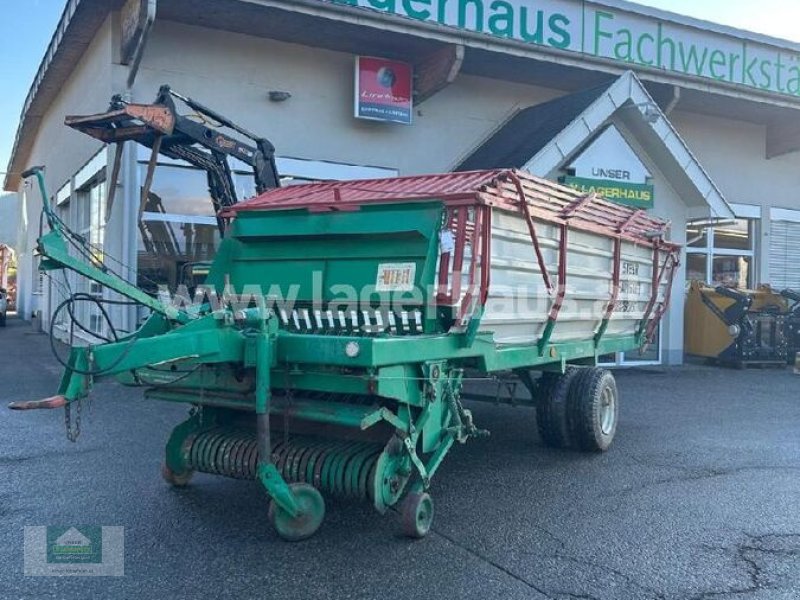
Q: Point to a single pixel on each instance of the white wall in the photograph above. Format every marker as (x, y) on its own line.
(9, 219)
(667, 204)
(734, 153)
(63, 151)
(233, 74)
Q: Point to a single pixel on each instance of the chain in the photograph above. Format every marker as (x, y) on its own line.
(72, 433)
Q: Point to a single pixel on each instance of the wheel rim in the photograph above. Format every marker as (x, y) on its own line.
(305, 524)
(608, 411)
(424, 515)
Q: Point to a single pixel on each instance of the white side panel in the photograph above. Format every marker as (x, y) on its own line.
(518, 304)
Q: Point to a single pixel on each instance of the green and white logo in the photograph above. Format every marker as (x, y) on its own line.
(75, 544)
(74, 550)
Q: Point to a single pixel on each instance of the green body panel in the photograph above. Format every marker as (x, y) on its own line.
(305, 256)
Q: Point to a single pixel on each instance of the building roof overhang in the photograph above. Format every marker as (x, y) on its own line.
(544, 139)
(341, 27)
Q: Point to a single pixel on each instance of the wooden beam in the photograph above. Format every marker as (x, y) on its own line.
(437, 71)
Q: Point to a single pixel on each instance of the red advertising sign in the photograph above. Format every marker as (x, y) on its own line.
(383, 90)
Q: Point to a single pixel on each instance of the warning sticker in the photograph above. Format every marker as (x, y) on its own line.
(396, 277)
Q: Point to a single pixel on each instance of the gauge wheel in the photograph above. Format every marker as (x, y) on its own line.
(417, 514)
(307, 521)
(176, 479)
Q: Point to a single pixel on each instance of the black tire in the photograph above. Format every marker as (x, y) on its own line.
(2, 319)
(551, 408)
(593, 409)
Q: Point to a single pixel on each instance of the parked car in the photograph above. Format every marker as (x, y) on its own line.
(3, 306)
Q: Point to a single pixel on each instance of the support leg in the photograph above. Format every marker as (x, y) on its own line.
(297, 510)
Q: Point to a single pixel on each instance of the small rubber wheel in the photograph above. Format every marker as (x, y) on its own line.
(593, 410)
(176, 479)
(304, 525)
(417, 514)
(551, 408)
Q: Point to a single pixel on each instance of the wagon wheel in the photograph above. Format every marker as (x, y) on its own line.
(305, 524)
(593, 409)
(551, 408)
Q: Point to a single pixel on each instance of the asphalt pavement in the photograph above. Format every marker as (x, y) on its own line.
(698, 498)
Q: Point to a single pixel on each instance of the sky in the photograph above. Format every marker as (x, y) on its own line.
(27, 25)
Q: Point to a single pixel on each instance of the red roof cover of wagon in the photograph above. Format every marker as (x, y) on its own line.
(547, 201)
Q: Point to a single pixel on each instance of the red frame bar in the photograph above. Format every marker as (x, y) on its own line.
(526, 211)
(663, 306)
(562, 274)
(458, 257)
(582, 202)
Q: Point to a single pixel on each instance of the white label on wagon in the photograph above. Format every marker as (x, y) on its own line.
(447, 241)
(396, 277)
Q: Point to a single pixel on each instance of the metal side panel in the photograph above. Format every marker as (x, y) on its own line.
(518, 304)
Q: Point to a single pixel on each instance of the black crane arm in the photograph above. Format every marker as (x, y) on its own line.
(189, 131)
(197, 138)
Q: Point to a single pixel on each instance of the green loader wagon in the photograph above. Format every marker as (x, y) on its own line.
(326, 352)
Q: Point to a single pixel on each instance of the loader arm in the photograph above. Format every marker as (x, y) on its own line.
(199, 138)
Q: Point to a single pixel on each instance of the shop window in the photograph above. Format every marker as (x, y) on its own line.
(736, 236)
(722, 255)
(732, 271)
(90, 222)
(696, 267)
(177, 227)
(696, 237)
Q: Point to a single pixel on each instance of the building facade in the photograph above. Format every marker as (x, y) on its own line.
(695, 122)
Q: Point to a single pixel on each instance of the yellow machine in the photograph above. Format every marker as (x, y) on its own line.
(736, 327)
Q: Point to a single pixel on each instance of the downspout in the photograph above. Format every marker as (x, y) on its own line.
(136, 60)
(676, 98)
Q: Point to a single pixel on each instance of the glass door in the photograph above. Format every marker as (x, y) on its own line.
(651, 355)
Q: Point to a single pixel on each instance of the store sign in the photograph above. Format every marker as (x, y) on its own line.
(639, 195)
(623, 36)
(383, 90)
(610, 168)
